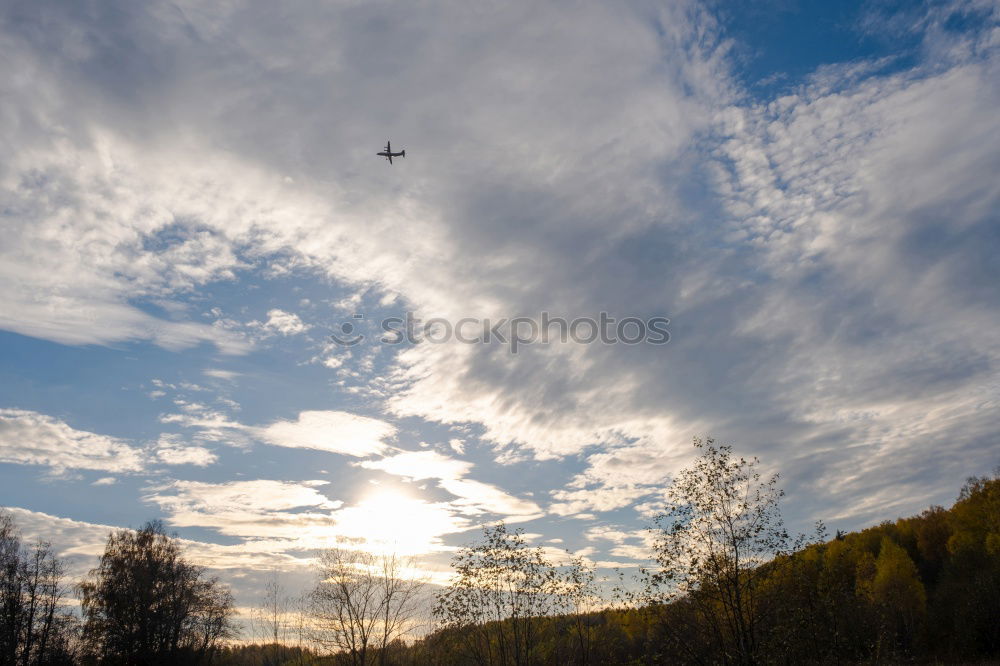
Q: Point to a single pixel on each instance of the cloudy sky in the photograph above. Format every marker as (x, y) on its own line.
(190, 205)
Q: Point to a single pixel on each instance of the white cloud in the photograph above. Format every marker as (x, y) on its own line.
(333, 431)
(250, 495)
(332, 362)
(80, 543)
(419, 465)
(186, 455)
(211, 424)
(607, 495)
(478, 498)
(30, 438)
(871, 212)
(172, 451)
(641, 547)
(474, 498)
(73, 292)
(218, 373)
(417, 242)
(250, 509)
(285, 323)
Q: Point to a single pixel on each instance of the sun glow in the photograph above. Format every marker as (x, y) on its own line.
(391, 521)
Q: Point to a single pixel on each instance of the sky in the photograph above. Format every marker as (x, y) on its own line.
(191, 207)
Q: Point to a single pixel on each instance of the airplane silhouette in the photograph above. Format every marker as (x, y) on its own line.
(388, 154)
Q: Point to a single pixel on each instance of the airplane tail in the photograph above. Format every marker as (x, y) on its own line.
(404, 154)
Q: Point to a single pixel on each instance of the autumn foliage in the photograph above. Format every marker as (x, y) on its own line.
(920, 589)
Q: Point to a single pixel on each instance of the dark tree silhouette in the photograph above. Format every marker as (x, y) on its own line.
(362, 603)
(32, 630)
(145, 605)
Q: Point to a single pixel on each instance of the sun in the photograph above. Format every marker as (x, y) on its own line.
(391, 521)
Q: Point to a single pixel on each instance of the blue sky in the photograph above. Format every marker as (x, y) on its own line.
(190, 205)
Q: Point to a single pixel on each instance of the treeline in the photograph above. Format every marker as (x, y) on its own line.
(143, 605)
(728, 585)
(34, 628)
(922, 589)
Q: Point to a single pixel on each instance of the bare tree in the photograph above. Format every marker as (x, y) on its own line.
(298, 626)
(32, 631)
(271, 621)
(362, 603)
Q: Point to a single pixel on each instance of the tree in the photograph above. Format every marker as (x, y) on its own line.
(502, 588)
(577, 591)
(849, 618)
(967, 603)
(271, 621)
(32, 630)
(145, 604)
(899, 595)
(722, 523)
(362, 602)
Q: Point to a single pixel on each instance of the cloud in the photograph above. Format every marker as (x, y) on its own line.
(285, 323)
(332, 431)
(171, 451)
(80, 543)
(870, 212)
(478, 498)
(218, 373)
(30, 438)
(475, 498)
(322, 430)
(640, 549)
(250, 509)
(298, 517)
(251, 495)
(84, 293)
(637, 112)
(419, 465)
(827, 258)
(211, 424)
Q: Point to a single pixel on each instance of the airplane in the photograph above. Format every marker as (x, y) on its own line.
(388, 154)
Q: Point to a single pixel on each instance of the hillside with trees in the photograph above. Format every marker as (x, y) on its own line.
(727, 584)
(730, 586)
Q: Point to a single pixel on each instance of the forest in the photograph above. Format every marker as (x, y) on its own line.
(726, 584)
